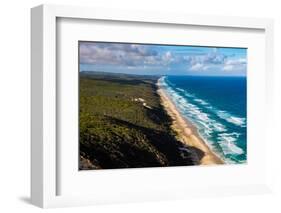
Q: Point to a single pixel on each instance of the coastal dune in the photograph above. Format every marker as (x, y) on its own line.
(186, 132)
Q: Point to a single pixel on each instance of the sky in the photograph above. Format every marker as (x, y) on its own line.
(152, 59)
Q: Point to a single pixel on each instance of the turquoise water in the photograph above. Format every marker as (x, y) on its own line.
(217, 107)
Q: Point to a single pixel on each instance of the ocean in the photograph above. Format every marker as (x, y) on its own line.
(217, 107)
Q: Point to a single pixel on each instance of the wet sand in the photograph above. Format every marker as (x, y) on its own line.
(187, 133)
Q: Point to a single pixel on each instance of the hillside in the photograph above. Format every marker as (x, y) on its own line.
(123, 125)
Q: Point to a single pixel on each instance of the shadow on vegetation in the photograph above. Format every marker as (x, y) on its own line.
(163, 150)
(123, 125)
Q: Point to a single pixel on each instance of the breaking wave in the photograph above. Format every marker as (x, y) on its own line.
(219, 128)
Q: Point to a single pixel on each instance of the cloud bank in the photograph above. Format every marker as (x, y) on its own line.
(184, 58)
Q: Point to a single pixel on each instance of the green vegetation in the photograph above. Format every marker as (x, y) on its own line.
(123, 125)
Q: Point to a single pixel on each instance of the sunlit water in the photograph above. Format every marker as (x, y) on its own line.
(217, 107)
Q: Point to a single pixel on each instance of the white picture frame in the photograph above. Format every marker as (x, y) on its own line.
(44, 154)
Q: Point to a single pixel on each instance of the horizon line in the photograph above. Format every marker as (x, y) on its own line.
(228, 76)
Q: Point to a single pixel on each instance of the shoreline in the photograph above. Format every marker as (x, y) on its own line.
(186, 131)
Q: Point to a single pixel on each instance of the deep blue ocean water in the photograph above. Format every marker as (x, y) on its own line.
(217, 106)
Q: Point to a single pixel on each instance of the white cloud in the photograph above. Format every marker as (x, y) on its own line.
(215, 61)
(238, 61)
(228, 67)
(123, 54)
(167, 58)
(197, 67)
(203, 62)
(148, 56)
(235, 64)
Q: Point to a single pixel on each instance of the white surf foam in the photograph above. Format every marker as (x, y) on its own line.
(179, 89)
(238, 121)
(200, 101)
(205, 123)
(227, 143)
(231, 119)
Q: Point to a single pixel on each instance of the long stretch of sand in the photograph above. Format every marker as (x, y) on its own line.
(187, 133)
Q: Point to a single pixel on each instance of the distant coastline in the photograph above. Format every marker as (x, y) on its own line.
(186, 131)
(161, 105)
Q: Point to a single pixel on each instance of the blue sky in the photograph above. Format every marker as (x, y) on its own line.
(162, 59)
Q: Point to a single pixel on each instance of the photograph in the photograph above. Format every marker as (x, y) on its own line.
(161, 105)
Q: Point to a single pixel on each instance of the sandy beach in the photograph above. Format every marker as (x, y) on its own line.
(187, 133)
